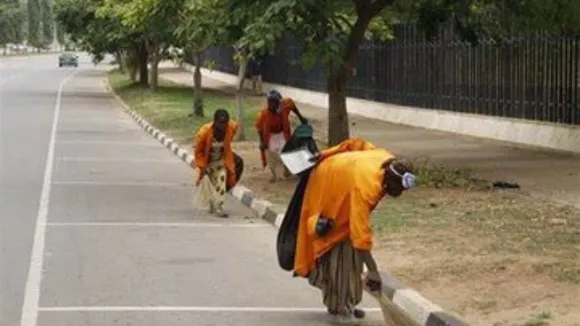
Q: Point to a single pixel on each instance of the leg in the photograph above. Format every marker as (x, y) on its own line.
(218, 180)
(338, 275)
(272, 164)
(259, 77)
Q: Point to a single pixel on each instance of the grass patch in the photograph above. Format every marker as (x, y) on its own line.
(169, 107)
(539, 320)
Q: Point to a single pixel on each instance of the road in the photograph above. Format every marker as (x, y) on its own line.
(97, 224)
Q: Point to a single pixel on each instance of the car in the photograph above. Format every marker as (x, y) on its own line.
(68, 59)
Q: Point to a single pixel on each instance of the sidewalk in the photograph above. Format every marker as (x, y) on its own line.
(544, 173)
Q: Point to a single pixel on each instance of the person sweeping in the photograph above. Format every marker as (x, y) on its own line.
(334, 236)
(273, 127)
(214, 160)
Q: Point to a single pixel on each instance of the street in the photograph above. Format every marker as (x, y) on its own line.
(98, 227)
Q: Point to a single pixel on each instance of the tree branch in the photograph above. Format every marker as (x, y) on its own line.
(375, 7)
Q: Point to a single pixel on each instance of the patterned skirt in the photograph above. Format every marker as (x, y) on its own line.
(339, 275)
(212, 189)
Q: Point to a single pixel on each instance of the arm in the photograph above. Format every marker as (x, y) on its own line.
(292, 107)
(361, 232)
(260, 127)
(200, 160)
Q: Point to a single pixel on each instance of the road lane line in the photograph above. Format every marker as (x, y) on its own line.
(32, 290)
(159, 225)
(187, 308)
(117, 159)
(108, 142)
(118, 184)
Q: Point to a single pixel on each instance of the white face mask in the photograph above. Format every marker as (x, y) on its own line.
(408, 180)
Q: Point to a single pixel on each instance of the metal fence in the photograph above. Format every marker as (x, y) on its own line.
(533, 77)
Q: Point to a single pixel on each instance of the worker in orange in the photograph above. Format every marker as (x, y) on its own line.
(214, 160)
(273, 126)
(334, 237)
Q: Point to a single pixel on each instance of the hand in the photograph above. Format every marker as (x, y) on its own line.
(202, 173)
(314, 159)
(373, 281)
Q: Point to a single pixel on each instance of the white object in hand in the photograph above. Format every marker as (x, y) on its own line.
(298, 160)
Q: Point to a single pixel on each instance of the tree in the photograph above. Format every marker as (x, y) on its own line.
(98, 33)
(331, 32)
(11, 21)
(203, 24)
(60, 35)
(155, 21)
(34, 18)
(242, 14)
(47, 23)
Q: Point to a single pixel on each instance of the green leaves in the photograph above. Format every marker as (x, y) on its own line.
(11, 19)
(203, 23)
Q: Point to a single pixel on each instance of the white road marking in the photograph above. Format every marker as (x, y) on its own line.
(159, 225)
(32, 290)
(117, 159)
(108, 142)
(117, 184)
(185, 309)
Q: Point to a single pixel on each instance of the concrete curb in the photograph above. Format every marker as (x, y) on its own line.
(418, 308)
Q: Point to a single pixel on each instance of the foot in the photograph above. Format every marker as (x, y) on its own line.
(359, 313)
(220, 213)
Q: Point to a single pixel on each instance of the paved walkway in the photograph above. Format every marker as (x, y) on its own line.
(544, 173)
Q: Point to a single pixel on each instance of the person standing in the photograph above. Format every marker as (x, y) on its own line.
(334, 237)
(214, 160)
(273, 126)
(256, 74)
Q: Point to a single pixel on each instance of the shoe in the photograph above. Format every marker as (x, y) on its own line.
(359, 313)
(220, 213)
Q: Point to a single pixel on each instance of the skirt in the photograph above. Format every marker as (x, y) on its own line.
(339, 276)
(212, 189)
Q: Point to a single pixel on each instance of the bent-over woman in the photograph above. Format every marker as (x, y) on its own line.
(214, 160)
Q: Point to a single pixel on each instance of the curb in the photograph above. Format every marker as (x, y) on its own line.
(418, 308)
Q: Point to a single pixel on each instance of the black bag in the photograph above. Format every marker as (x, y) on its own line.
(288, 232)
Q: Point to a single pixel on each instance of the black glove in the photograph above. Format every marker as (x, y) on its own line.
(323, 226)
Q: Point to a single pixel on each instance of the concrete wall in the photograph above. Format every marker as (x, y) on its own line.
(534, 133)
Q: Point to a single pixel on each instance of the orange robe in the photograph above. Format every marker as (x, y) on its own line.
(345, 186)
(268, 123)
(203, 142)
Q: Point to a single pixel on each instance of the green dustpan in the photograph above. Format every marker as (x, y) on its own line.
(303, 131)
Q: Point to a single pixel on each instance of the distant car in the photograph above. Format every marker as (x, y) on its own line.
(68, 59)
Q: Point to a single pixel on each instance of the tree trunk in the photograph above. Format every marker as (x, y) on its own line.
(243, 65)
(142, 58)
(338, 128)
(154, 76)
(119, 59)
(197, 91)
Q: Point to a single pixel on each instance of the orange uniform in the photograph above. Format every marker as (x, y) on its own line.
(203, 142)
(268, 123)
(345, 187)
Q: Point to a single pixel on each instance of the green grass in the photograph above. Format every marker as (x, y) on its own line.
(169, 107)
(539, 320)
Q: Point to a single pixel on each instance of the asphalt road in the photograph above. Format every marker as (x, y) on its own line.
(97, 224)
